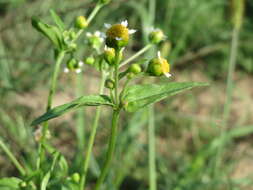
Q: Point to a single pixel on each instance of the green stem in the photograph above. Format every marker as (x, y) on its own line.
(92, 136)
(229, 93)
(53, 84)
(12, 158)
(80, 131)
(94, 12)
(116, 75)
(110, 151)
(151, 147)
(140, 52)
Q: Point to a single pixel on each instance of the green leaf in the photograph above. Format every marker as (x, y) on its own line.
(51, 32)
(139, 96)
(58, 21)
(45, 181)
(11, 183)
(63, 165)
(93, 100)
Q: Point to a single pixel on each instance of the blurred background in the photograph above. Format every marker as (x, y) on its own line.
(193, 150)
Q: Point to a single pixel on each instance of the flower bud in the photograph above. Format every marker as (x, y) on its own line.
(72, 64)
(156, 36)
(109, 83)
(158, 67)
(76, 177)
(109, 55)
(130, 75)
(89, 60)
(81, 22)
(135, 68)
(22, 184)
(95, 40)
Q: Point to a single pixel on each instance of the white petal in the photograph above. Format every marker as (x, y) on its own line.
(80, 63)
(124, 23)
(101, 39)
(88, 34)
(78, 70)
(118, 39)
(107, 25)
(159, 54)
(97, 33)
(66, 70)
(168, 75)
(102, 35)
(132, 31)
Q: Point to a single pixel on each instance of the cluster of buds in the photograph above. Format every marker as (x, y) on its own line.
(95, 40)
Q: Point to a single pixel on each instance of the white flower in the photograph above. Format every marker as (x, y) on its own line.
(97, 34)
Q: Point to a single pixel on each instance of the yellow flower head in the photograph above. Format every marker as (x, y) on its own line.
(159, 66)
(117, 35)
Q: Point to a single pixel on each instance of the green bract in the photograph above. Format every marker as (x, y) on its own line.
(156, 36)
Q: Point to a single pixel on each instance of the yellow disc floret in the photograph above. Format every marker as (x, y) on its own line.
(158, 67)
(117, 36)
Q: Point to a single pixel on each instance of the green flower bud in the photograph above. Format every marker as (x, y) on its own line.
(81, 22)
(76, 177)
(158, 67)
(89, 60)
(130, 75)
(72, 64)
(135, 68)
(22, 184)
(156, 36)
(109, 83)
(95, 40)
(109, 55)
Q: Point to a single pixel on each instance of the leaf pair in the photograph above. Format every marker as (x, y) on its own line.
(136, 97)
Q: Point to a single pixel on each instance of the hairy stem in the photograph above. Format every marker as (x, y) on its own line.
(151, 148)
(139, 53)
(92, 136)
(53, 84)
(110, 151)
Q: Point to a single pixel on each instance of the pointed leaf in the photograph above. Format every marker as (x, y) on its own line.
(139, 96)
(45, 181)
(93, 100)
(10, 183)
(51, 32)
(58, 21)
